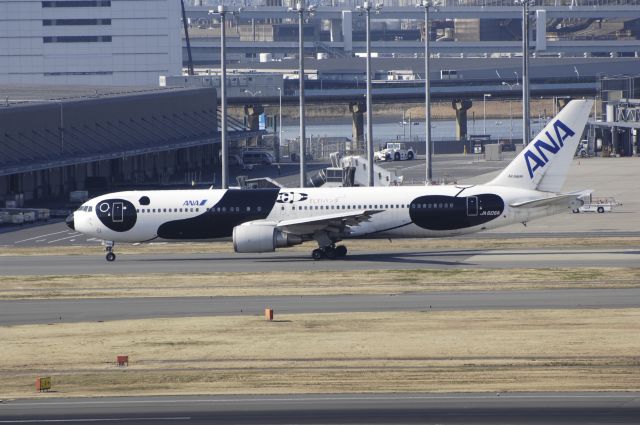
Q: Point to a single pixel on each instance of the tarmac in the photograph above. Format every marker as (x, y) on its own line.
(19, 312)
(301, 261)
(416, 408)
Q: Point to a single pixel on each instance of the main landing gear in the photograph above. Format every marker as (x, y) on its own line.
(331, 252)
(108, 246)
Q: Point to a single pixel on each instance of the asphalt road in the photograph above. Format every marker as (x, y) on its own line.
(448, 408)
(301, 261)
(54, 234)
(16, 312)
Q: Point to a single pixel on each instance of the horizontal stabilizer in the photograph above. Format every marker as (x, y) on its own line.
(558, 201)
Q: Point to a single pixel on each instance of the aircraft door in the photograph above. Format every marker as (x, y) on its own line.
(117, 212)
(472, 206)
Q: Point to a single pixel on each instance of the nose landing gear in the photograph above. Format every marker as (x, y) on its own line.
(108, 246)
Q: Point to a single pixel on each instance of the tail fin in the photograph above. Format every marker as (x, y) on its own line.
(544, 163)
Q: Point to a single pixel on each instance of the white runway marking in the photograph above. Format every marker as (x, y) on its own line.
(62, 239)
(356, 398)
(39, 421)
(41, 236)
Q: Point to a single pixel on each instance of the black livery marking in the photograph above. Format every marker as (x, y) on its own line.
(291, 197)
(118, 215)
(438, 212)
(235, 207)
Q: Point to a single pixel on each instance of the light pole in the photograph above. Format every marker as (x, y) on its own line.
(301, 10)
(366, 8)
(504, 83)
(526, 133)
(279, 123)
(484, 112)
(224, 147)
(427, 4)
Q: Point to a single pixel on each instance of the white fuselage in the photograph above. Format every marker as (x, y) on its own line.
(401, 212)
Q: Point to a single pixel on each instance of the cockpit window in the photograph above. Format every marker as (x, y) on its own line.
(144, 200)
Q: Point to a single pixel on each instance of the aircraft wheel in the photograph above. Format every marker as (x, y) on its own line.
(576, 210)
(317, 254)
(600, 210)
(330, 253)
(341, 251)
(111, 256)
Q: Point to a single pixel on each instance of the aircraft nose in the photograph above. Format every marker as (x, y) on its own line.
(69, 222)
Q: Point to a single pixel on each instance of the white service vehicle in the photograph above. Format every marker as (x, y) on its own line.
(601, 205)
(395, 151)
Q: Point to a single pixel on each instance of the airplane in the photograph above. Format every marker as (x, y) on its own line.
(263, 220)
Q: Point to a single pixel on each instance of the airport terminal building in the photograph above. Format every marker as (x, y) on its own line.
(116, 140)
(96, 42)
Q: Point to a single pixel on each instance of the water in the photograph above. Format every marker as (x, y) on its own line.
(384, 131)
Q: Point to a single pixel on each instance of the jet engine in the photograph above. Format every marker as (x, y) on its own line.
(260, 236)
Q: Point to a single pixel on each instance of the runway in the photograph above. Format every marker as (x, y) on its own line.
(446, 408)
(17, 312)
(302, 262)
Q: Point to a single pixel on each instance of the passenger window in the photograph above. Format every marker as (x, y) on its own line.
(259, 209)
(248, 208)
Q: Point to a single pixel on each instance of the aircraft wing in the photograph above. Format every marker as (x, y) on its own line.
(332, 223)
(556, 201)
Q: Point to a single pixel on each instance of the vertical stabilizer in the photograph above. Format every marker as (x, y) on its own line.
(544, 162)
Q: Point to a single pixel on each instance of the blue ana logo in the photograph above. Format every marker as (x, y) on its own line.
(539, 159)
(194, 203)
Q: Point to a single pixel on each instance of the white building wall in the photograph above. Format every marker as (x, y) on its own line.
(144, 43)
